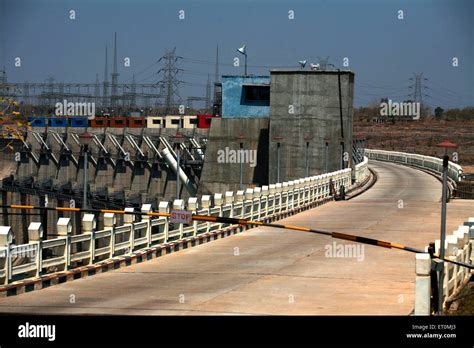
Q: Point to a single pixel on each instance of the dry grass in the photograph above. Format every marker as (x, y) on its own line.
(420, 137)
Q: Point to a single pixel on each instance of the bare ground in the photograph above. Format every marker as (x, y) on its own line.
(420, 137)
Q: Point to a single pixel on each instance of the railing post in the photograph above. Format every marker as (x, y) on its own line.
(218, 200)
(462, 234)
(470, 224)
(264, 195)
(163, 208)
(319, 187)
(308, 187)
(146, 208)
(35, 236)
(293, 192)
(239, 198)
(300, 183)
(452, 251)
(193, 207)
(109, 223)
(129, 219)
(229, 200)
(423, 284)
(257, 202)
(205, 204)
(272, 195)
(88, 227)
(178, 204)
(64, 227)
(324, 185)
(249, 198)
(278, 195)
(6, 239)
(285, 195)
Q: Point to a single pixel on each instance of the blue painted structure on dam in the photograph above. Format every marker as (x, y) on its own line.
(245, 96)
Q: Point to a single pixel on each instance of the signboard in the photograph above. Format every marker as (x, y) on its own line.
(181, 216)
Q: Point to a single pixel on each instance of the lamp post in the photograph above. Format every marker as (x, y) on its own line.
(446, 145)
(307, 139)
(241, 137)
(178, 140)
(278, 139)
(326, 154)
(85, 139)
(243, 50)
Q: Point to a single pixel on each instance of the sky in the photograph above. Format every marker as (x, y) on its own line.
(383, 51)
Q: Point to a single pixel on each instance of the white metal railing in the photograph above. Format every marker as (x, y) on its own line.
(67, 250)
(458, 247)
(362, 170)
(431, 163)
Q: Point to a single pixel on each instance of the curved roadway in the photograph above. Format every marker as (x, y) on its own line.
(274, 271)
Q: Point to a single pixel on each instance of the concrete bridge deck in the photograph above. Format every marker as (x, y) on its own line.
(274, 271)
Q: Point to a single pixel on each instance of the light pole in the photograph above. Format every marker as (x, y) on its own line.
(446, 145)
(241, 137)
(307, 138)
(326, 154)
(243, 50)
(85, 139)
(178, 140)
(342, 155)
(278, 139)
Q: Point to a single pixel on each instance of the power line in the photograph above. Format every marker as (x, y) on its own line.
(372, 85)
(209, 62)
(142, 71)
(447, 90)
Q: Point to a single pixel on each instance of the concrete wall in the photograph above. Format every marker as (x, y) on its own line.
(225, 132)
(233, 102)
(314, 99)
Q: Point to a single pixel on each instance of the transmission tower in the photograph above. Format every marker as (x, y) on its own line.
(3, 83)
(169, 81)
(3, 77)
(133, 99)
(418, 87)
(48, 92)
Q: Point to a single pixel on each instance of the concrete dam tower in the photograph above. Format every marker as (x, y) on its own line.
(299, 122)
(311, 122)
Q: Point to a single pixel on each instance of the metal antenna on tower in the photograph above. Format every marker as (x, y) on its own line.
(208, 93)
(115, 75)
(216, 74)
(323, 63)
(97, 89)
(169, 80)
(105, 92)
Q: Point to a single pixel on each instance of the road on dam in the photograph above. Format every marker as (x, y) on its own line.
(274, 271)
